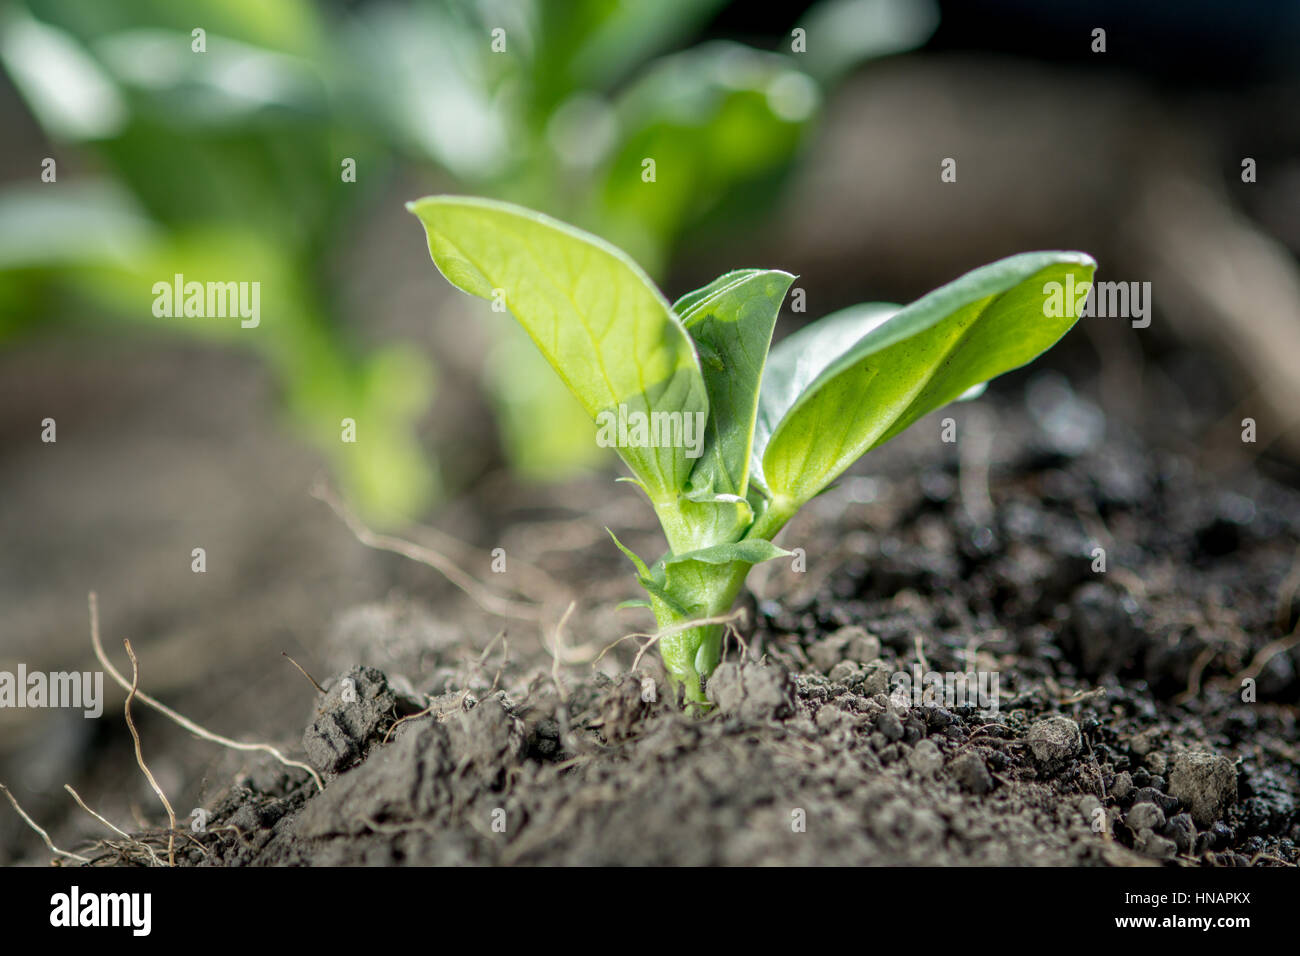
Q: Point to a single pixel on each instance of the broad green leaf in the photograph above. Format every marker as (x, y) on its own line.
(593, 313)
(901, 366)
(731, 321)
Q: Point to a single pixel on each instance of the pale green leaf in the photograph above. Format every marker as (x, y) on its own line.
(593, 313)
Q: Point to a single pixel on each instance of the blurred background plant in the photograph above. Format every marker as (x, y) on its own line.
(231, 164)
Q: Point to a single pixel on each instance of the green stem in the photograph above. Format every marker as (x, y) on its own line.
(773, 519)
(691, 654)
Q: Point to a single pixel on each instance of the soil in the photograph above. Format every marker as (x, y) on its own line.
(1146, 713)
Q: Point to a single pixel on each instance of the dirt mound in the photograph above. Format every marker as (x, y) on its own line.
(799, 769)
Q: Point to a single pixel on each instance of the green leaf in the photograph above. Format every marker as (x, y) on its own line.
(754, 551)
(632, 556)
(658, 590)
(798, 359)
(731, 321)
(852, 381)
(652, 579)
(592, 312)
(705, 581)
(688, 302)
(635, 602)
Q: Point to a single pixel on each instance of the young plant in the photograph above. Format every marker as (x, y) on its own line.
(778, 428)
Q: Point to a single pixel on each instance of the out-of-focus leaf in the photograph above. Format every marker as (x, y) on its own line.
(67, 90)
(288, 26)
(840, 34)
(713, 119)
(44, 227)
(429, 78)
(592, 44)
(223, 86)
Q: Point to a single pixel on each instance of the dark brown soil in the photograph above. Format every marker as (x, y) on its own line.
(1120, 737)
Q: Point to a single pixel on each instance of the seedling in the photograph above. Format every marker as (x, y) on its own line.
(779, 427)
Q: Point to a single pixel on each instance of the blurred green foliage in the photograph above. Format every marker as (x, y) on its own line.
(226, 165)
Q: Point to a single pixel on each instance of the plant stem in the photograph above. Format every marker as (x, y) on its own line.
(691, 654)
(773, 519)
